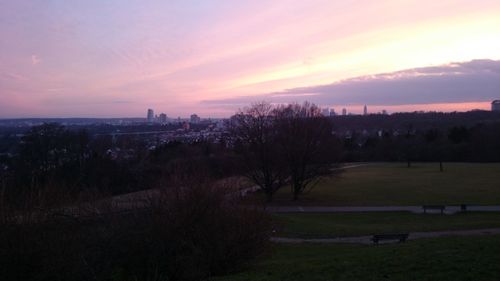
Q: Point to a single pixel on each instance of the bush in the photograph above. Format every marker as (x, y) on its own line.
(188, 233)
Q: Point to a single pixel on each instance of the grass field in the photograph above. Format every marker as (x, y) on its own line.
(310, 225)
(395, 184)
(459, 258)
(447, 258)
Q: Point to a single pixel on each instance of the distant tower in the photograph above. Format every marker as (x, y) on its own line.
(344, 112)
(495, 105)
(326, 112)
(151, 116)
(195, 119)
(332, 112)
(163, 118)
(365, 110)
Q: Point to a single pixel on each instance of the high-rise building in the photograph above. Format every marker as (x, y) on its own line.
(325, 111)
(332, 112)
(163, 118)
(365, 110)
(195, 119)
(495, 105)
(151, 115)
(344, 111)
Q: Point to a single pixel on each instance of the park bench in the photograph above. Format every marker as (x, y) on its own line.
(394, 236)
(433, 207)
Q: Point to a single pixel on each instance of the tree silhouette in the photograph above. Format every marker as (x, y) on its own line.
(307, 143)
(255, 138)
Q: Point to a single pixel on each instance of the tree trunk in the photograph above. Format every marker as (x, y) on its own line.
(295, 191)
(269, 196)
(441, 166)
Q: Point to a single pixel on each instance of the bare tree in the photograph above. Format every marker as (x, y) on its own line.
(409, 144)
(434, 138)
(307, 144)
(254, 135)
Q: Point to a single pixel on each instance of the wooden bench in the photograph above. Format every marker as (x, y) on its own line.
(393, 236)
(463, 208)
(433, 207)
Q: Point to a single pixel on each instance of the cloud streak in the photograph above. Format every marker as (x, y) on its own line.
(35, 60)
(172, 55)
(473, 81)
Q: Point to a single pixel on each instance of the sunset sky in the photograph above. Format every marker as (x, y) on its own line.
(115, 58)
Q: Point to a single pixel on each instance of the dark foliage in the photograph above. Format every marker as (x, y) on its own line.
(478, 143)
(434, 136)
(255, 138)
(52, 155)
(188, 233)
(306, 141)
(286, 144)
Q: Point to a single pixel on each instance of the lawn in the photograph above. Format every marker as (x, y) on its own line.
(395, 184)
(455, 258)
(310, 225)
(449, 258)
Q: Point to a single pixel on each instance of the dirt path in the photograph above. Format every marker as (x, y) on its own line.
(452, 209)
(367, 238)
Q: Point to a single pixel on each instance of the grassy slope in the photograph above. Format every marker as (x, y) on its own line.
(394, 184)
(464, 258)
(352, 224)
(451, 258)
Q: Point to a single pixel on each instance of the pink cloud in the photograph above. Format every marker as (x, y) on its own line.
(172, 55)
(35, 60)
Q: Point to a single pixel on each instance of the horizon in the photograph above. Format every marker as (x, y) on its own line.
(358, 110)
(89, 59)
(338, 112)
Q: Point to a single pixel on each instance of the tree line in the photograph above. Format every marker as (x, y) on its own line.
(275, 146)
(477, 143)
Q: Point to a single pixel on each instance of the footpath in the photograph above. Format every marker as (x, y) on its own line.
(451, 209)
(368, 239)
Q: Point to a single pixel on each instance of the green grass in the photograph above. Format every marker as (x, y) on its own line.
(395, 184)
(450, 258)
(310, 225)
(455, 258)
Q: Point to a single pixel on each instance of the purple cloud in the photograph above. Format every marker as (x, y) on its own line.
(473, 81)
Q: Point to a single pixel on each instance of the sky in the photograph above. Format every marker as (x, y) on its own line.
(115, 58)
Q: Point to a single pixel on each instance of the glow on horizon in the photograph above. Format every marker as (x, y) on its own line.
(461, 42)
(114, 59)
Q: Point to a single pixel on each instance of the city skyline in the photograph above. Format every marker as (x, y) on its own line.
(116, 59)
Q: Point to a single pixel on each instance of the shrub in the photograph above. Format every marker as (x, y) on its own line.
(186, 233)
